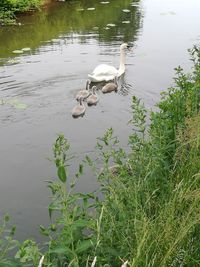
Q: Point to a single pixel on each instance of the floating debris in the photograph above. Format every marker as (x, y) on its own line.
(17, 104)
(126, 10)
(18, 51)
(2, 102)
(105, 2)
(107, 28)
(111, 25)
(14, 103)
(55, 40)
(26, 49)
(126, 21)
(13, 61)
(134, 4)
(80, 9)
(91, 8)
(95, 28)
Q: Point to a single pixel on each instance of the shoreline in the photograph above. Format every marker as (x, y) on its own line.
(10, 17)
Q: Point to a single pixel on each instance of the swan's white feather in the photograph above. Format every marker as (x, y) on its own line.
(104, 69)
(98, 78)
(103, 72)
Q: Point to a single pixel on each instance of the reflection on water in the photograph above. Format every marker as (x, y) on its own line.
(38, 87)
(63, 20)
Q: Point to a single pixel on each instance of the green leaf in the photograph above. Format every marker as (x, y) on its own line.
(59, 250)
(51, 208)
(9, 263)
(6, 218)
(62, 174)
(88, 160)
(44, 231)
(113, 252)
(62, 250)
(81, 169)
(55, 205)
(83, 246)
(81, 223)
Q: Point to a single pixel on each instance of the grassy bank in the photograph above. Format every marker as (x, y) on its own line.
(149, 214)
(9, 9)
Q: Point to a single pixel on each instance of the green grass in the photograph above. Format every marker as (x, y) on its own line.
(149, 211)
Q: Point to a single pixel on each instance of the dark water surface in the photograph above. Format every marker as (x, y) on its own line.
(38, 87)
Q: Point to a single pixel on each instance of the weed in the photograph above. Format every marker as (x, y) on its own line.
(148, 215)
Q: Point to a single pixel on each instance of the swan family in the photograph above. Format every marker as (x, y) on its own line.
(91, 97)
(102, 73)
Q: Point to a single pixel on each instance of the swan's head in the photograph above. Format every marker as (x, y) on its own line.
(124, 46)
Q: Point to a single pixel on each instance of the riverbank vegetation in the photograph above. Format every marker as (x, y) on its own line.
(9, 8)
(146, 210)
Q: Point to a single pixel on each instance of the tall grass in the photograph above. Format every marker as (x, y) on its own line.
(149, 205)
(149, 214)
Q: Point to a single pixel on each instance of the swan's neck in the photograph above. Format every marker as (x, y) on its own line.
(87, 85)
(115, 81)
(122, 62)
(93, 90)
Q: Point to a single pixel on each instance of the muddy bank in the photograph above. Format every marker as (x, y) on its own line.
(46, 3)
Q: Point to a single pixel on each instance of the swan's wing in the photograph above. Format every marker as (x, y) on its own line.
(104, 69)
(103, 72)
(97, 78)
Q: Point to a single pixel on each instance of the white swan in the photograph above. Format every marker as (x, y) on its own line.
(83, 93)
(110, 87)
(105, 72)
(78, 110)
(93, 98)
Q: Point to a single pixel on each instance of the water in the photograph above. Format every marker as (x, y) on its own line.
(66, 44)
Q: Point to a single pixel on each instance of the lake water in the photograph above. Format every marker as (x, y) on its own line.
(38, 87)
